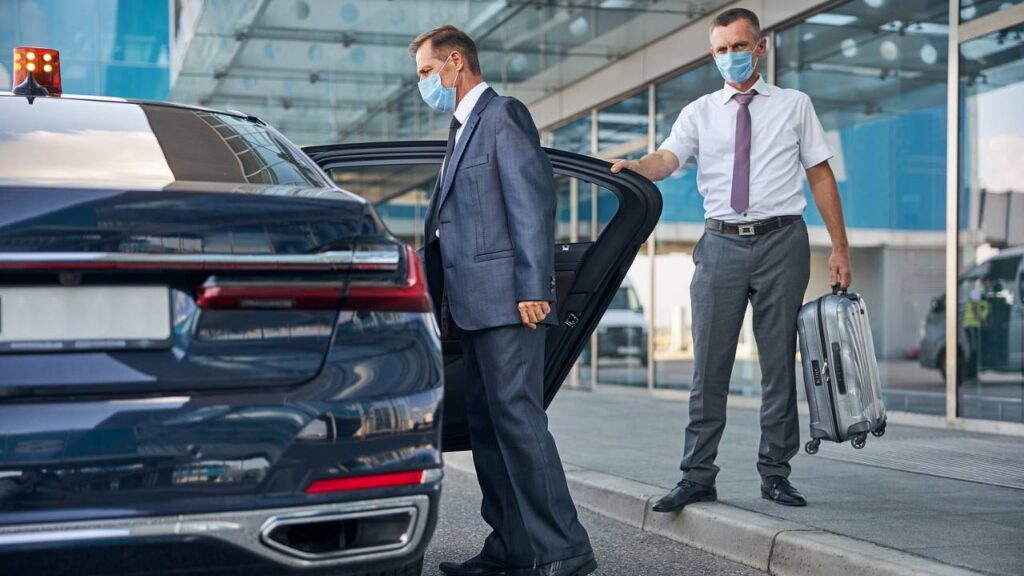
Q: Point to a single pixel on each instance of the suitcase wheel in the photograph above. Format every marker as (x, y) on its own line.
(879, 432)
(812, 446)
(859, 440)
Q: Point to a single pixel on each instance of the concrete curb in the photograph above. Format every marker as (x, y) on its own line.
(774, 545)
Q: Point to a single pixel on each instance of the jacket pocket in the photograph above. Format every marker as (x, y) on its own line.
(494, 255)
(476, 161)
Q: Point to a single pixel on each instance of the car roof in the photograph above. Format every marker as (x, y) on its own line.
(138, 101)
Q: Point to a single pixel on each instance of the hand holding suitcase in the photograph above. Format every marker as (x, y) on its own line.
(840, 370)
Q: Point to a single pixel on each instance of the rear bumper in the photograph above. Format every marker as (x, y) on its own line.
(239, 539)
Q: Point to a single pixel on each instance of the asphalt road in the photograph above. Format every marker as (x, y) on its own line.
(621, 550)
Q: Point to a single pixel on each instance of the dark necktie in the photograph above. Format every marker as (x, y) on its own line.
(741, 157)
(453, 130)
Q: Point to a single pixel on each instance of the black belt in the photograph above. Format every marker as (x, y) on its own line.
(751, 228)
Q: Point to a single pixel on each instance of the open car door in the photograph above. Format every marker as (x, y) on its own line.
(587, 274)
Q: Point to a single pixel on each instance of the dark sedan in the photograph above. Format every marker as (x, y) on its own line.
(214, 359)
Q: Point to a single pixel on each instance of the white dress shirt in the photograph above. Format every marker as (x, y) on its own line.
(462, 111)
(466, 106)
(785, 136)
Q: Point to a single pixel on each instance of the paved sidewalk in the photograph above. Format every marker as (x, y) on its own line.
(954, 497)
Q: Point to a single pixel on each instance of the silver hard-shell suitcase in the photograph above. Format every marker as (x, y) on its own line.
(840, 370)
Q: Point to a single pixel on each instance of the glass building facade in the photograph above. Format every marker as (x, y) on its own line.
(108, 47)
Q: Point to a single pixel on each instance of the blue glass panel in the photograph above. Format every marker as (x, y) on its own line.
(91, 36)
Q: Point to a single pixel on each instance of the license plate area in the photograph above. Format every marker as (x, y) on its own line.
(84, 318)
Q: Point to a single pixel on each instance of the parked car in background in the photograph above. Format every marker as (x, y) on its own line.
(622, 332)
(991, 320)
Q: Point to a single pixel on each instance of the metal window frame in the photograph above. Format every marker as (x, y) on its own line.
(952, 208)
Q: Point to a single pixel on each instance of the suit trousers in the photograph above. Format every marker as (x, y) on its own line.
(771, 272)
(526, 499)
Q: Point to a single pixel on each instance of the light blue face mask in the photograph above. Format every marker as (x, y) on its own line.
(437, 95)
(736, 67)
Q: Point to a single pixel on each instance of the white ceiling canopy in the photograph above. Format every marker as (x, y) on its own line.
(327, 71)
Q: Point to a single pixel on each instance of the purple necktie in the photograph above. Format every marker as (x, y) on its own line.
(741, 157)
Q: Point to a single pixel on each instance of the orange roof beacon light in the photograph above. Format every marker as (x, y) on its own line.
(36, 72)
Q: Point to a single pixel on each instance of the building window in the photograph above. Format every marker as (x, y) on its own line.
(623, 131)
(680, 227)
(991, 240)
(876, 74)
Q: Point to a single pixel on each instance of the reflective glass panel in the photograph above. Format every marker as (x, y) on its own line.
(990, 298)
(972, 9)
(622, 132)
(680, 227)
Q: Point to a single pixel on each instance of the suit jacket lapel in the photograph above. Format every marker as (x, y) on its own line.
(431, 209)
(460, 147)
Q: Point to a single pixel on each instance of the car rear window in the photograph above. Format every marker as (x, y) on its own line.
(88, 143)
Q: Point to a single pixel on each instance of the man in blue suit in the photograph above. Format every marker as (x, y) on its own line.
(490, 239)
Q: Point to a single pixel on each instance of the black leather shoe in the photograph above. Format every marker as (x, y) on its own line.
(475, 566)
(778, 489)
(576, 566)
(684, 493)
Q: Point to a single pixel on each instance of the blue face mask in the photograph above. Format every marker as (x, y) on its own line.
(437, 95)
(736, 67)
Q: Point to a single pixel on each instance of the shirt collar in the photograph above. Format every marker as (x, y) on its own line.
(469, 101)
(763, 88)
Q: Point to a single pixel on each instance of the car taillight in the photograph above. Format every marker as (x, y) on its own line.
(408, 296)
(392, 480)
(36, 72)
(269, 297)
(369, 288)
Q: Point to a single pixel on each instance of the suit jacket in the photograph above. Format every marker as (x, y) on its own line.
(496, 214)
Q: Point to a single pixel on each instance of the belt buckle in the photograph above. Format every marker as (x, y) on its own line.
(746, 229)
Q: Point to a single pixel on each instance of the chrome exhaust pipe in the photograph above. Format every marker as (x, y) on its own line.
(316, 538)
(325, 534)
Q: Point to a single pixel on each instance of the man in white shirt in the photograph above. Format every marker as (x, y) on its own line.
(751, 141)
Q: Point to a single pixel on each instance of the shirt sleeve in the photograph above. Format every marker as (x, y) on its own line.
(814, 148)
(682, 140)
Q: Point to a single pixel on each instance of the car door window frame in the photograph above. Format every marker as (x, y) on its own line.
(639, 208)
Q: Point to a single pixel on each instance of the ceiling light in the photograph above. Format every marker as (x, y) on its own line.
(849, 47)
(519, 62)
(579, 27)
(831, 19)
(929, 55)
(968, 12)
(889, 50)
(349, 12)
(874, 3)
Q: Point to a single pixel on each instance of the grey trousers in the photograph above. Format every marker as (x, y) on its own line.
(770, 271)
(526, 499)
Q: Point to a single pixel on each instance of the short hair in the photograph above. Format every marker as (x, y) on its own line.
(733, 14)
(448, 38)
